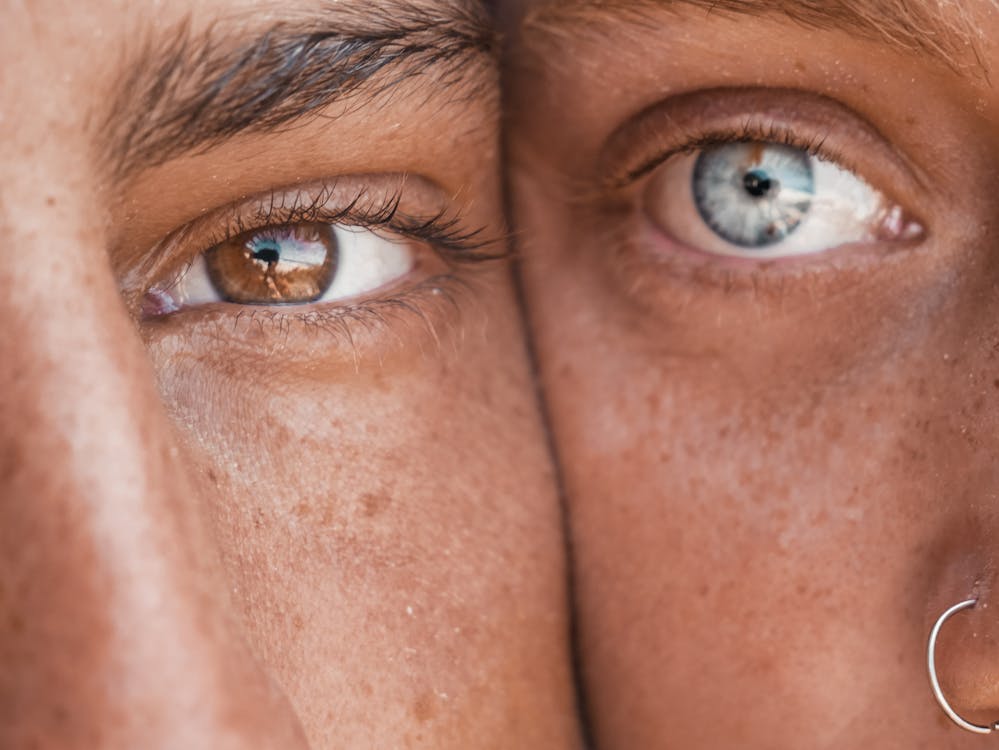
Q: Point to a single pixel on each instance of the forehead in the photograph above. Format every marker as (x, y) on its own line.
(107, 63)
(951, 31)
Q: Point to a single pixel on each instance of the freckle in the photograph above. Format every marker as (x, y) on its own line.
(16, 623)
(297, 622)
(301, 510)
(329, 516)
(372, 504)
(799, 66)
(50, 200)
(258, 518)
(423, 708)
(213, 477)
(703, 590)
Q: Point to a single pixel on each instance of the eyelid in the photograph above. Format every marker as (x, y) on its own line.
(817, 123)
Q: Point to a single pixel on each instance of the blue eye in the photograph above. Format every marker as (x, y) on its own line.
(753, 194)
(760, 201)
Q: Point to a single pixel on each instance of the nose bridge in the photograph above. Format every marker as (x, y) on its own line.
(112, 634)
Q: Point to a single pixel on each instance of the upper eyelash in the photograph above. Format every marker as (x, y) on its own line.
(441, 231)
(749, 130)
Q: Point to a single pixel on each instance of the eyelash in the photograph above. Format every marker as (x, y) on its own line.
(749, 130)
(440, 231)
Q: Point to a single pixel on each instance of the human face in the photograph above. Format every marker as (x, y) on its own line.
(775, 413)
(292, 489)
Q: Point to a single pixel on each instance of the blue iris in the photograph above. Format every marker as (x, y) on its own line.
(753, 194)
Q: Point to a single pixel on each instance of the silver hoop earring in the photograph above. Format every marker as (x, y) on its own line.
(931, 662)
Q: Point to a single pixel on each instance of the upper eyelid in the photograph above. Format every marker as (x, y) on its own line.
(683, 118)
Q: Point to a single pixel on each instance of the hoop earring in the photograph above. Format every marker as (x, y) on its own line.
(934, 683)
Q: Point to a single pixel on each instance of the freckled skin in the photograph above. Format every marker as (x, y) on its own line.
(773, 490)
(235, 536)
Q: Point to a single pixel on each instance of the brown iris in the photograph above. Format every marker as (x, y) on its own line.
(275, 265)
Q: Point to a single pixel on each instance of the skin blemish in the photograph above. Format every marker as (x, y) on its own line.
(423, 708)
(375, 503)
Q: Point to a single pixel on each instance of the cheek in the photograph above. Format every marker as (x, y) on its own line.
(781, 498)
(374, 521)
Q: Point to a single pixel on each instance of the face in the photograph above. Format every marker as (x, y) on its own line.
(271, 470)
(758, 245)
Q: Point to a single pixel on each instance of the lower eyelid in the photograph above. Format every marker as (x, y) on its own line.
(315, 340)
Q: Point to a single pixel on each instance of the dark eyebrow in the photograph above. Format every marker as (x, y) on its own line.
(945, 32)
(188, 91)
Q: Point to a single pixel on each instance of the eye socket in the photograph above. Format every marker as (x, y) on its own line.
(290, 264)
(764, 200)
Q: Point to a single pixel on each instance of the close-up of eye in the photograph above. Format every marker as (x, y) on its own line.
(766, 200)
(316, 251)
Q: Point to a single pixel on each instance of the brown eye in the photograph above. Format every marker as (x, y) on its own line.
(291, 263)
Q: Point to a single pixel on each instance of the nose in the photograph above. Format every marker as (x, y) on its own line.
(115, 626)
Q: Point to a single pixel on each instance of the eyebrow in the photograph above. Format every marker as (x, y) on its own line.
(186, 92)
(945, 31)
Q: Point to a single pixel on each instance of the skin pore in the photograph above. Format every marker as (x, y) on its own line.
(779, 457)
(229, 524)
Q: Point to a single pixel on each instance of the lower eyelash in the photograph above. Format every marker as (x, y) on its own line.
(443, 296)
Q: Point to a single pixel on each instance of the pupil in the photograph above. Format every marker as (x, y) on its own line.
(758, 183)
(267, 255)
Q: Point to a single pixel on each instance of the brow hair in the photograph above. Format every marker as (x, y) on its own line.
(186, 91)
(943, 30)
